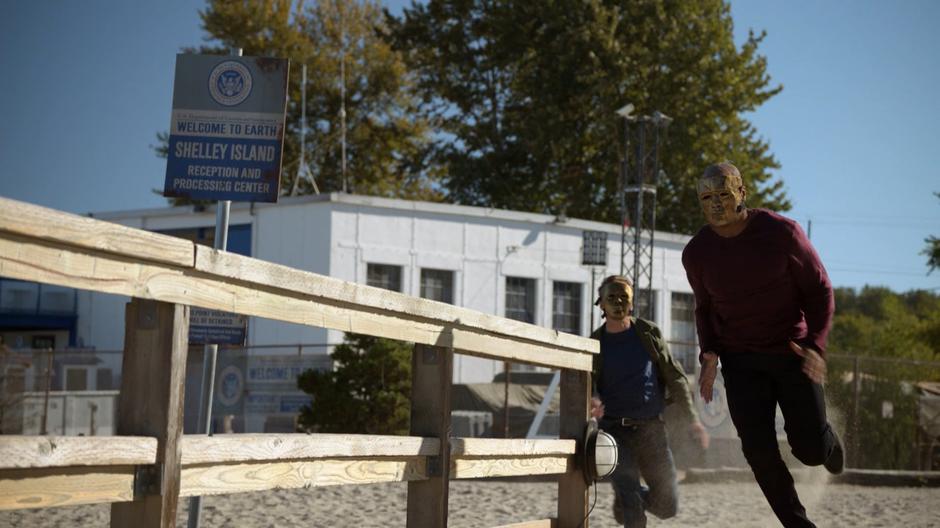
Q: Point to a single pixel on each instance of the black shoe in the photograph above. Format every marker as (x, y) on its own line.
(835, 464)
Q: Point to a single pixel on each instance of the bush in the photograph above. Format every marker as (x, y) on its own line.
(368, 391)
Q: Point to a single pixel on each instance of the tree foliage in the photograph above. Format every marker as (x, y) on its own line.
(875, 321)
(526, 94)
(387, 141)
(932, 251)
(368, 391)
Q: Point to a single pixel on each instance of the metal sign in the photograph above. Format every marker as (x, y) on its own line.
(214, 327)
(227, 128)
(594, 248)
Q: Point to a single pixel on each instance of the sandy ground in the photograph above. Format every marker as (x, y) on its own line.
(493, 503)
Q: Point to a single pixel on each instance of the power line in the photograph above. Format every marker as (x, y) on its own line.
(878, 271)
(902, 222)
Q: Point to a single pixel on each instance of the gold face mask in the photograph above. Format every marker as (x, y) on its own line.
(616, 300)
(721, 197)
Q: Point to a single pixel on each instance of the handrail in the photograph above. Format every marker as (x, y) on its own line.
(49, 246)
(45, 471)
(18, 451)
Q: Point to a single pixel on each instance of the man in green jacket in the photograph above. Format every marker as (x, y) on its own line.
(635, 378)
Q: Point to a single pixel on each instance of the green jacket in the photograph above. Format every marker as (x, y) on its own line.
(672, 379)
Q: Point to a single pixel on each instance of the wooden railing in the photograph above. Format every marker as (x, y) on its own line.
(146, 469)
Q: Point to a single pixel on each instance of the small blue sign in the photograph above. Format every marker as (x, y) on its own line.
(213, 327)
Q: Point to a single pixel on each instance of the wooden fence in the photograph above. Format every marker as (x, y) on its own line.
(146, 469)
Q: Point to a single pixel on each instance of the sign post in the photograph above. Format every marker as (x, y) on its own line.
(226, 143)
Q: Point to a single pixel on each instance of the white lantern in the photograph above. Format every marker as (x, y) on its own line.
(599, 458)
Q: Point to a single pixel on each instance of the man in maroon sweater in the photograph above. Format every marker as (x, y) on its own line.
(763, 305)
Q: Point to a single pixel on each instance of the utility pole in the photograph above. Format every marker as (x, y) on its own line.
(342, 99)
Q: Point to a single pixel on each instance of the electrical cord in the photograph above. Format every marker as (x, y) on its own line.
(594, 502)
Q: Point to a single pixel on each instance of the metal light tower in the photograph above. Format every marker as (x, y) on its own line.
(638, 183)
(303, 171)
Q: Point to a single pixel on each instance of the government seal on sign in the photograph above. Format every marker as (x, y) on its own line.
(231, 385)
(230, 83)
(714, 413)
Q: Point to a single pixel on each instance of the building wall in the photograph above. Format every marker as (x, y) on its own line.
(482, 250)
(297, 236)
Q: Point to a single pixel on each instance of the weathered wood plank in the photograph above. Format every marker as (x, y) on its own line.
(574, 410)
(492, 347)
(264, 273)
(259, 476)
(58, 451)
(480, 467)
(541, 523)
(199, 449)
(73, 230)
(432, 370)
(509, 447)
(156, 339)
(73, 267)
(49, 487)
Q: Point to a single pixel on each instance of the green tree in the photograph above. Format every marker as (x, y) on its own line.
(526, 94)
(368, 391)
(387, 142)
(875, 321)
(932, 251)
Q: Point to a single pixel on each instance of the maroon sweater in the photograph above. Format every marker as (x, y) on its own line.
(756, 291)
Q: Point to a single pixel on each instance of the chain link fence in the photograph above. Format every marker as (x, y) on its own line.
(75, 391)
(888, 410)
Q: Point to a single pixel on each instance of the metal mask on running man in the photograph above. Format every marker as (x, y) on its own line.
(721, 193)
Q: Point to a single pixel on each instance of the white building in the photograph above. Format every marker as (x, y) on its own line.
(520, 265)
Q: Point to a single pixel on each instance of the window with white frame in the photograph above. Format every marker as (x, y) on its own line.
(566, 307)
(520, 299)
(682, 336)
(437, 285)
(385, 276)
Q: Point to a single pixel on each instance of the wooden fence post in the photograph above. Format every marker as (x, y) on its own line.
(151, 404)
(575, 406)
(431, 378)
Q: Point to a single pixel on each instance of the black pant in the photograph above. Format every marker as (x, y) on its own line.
(755, 384)
(643, 450)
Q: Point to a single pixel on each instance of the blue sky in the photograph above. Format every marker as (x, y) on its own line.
(88, 84)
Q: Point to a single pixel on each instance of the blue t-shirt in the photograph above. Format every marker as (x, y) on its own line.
(630, 382)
